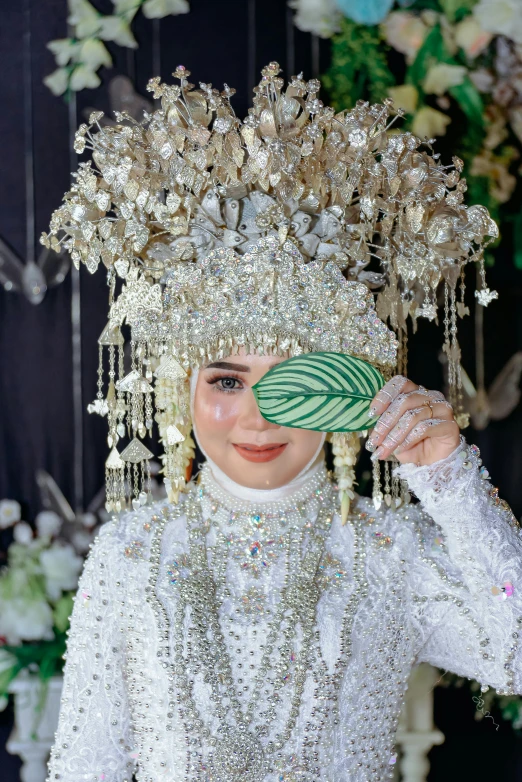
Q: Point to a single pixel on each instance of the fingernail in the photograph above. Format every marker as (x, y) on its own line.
(370, 446)
(372, 412)
(377, 455)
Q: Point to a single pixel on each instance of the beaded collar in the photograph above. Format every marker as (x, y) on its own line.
(228, 509)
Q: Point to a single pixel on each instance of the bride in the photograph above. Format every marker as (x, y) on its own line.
(261, 623)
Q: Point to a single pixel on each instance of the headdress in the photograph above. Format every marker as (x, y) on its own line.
(298, 229)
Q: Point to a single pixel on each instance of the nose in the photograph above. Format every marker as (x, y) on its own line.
(250, 418)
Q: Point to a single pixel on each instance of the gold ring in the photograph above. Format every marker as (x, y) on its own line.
(428, 404)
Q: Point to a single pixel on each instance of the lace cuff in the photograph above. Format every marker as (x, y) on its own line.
(456, 486)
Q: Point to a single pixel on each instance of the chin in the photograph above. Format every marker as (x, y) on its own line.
(257, 476)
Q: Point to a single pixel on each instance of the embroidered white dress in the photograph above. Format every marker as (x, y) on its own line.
(393, 588)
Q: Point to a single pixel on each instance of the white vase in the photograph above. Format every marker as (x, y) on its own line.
(33, 732)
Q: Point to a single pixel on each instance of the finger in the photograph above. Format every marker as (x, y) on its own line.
(436, 427)
(388, 393)
(406, 423)
(403, 403)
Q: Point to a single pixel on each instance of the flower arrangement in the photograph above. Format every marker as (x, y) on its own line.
(80, 55)
(36, 593)
(454, 67)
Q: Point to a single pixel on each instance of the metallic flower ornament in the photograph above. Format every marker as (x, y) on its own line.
(270, 233)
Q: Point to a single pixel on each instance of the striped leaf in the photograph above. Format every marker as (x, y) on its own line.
(326, 392)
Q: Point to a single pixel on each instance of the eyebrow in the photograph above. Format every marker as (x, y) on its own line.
(228, 365)
(232, 367)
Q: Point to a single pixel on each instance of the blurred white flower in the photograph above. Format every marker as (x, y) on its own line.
(7, 661)
(483, 79)
(57, 81)
(61, 567)
(10, 513)
(500, 17)
(405, 32)
(48, 523)
(84, 18)
(23, 533)
(470, 36)
(88, 520)
(429, 123)
(404, 97)
(83, 77)
(157, 9)
(319, 17)
(26, 620)
(81, 541)
(441, 77)
(93, 54)
(64, 49)
(116, 28)
(515, 118)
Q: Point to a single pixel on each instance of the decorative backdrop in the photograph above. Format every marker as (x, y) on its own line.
(49, 350)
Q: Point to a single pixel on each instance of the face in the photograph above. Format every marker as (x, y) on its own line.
(232, 431)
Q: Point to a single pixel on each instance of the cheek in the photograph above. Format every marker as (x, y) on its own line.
(306, 443)
(214, 412)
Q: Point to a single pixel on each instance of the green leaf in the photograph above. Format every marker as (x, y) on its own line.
(62, 611)
(469, 100)
(359, 66)
(324, 392)
(456, 10)
(431, 52)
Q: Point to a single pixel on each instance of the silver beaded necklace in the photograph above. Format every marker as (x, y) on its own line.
(241, 749)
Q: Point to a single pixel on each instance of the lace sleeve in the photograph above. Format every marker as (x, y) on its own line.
(466, 580)
(93, 741)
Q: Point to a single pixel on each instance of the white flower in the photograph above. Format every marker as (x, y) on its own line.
(93, 54)
(441, 77)
(48, 523)
(157, 9)
(116, 28)
(26, 620)
(84, 18)
(320, 17)
(500, 17)
(7, 661)
(10, 513)
(483, 79)
(61, 567)
(64, 49)
(57, 81)
(23, 533)
(84, 77)
(515, 118)
(81, 541)
(470, 36)
(429, 123)
(405, 32)
(404, 97)
(88, 520)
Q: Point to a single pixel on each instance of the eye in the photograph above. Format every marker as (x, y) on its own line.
(226, 383)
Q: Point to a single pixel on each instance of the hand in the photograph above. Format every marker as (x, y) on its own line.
(415, 425)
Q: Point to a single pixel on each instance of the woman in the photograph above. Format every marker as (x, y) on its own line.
(257, 626)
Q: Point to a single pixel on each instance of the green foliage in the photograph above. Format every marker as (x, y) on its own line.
(359, 68)
(455, 10)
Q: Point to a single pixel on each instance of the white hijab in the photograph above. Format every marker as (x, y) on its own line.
(257, 495)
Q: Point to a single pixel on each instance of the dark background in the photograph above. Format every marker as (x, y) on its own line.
(219, 41)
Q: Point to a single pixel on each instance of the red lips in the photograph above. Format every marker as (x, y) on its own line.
(259, 453)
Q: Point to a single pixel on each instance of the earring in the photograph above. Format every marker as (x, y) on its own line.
(345, 447)
(175, 424)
